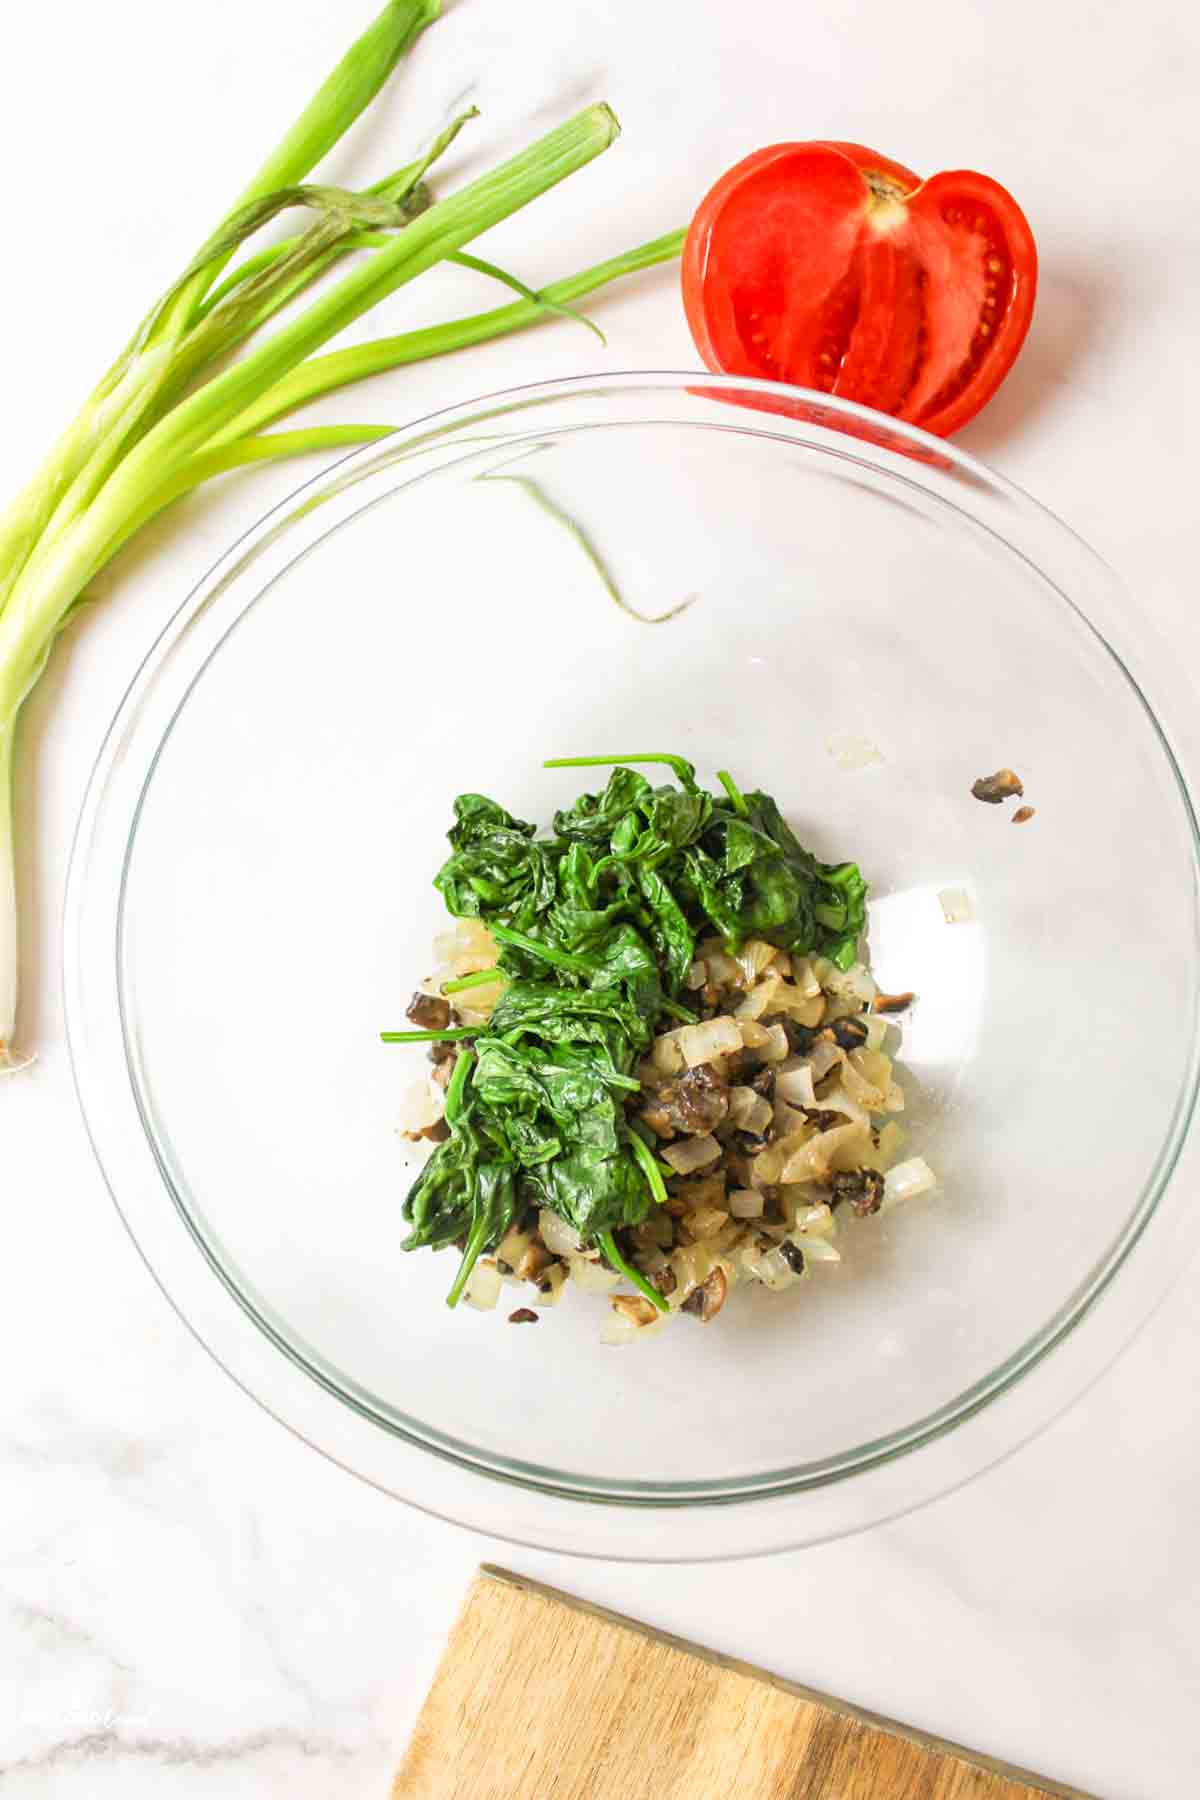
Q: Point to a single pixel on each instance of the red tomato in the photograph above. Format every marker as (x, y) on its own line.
(831, 267)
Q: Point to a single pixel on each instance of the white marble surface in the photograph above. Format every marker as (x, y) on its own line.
(192, 1603)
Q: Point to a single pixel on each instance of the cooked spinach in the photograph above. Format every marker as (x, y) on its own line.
(597, 927)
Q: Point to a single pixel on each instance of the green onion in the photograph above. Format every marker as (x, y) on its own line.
(174, 410)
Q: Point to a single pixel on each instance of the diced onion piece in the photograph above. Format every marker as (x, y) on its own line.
(782, 963)
(799, 1007)
(550, 1286)
(754, 1035)
(762, 998)
(721, 968)
(477, 1012)
(483, 1289)
(767, 1166)
(706, 1221)
(761, 1117)
(815, 1249)
(692, 1264)
(878, 1026)
(715, 1037)
(619, 1328)
(741, 1105)
(804, 977)
(838, 1100)
(708, 1191)
(956, 906)
(592, 1277)
(691, 1154)
(850, 752)
(858, 1085)
(874, 1066)
(559, 1238)
(776, 1049)
(754, 956)
(512, 1247)
(891, 1141)
(749, 1111)
(841, 1148)
(824, 1056)
(473, 934)
(746, 1203)
(794, 1083)
(697, 976)
(816, 1221)
(666, 1054)
(421, 1105)
(854, 983)
(657, 1229)
(907, 1180)
(746, 1260)
(775, 1271)
(789, 1120)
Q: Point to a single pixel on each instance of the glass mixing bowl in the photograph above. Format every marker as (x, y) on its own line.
(250, 903)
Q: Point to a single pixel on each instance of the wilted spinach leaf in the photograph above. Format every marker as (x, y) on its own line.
(598, 926)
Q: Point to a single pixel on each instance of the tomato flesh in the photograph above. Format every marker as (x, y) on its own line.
(830, 267)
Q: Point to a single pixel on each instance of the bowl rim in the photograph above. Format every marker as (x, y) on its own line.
(843, 429)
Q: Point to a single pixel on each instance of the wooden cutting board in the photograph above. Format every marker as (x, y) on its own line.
(542, 1697)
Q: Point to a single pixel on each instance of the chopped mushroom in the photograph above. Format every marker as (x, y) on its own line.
(1023, 815)
(429, 1012)
(535, 1259)
(863, 1188)
(849, 1034)
(524, 1315)
(893, 1003)
(992, 789)
(706, 1300)
(694, 1104)
(634, 1308)
(792, 1255)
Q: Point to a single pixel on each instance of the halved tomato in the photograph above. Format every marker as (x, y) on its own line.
(832, 267)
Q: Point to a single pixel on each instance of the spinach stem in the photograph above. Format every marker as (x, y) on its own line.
(471, 1255)
(650, 1168)
(679, 764)
(458, 1085)
(537, 492)
(558, 959)
(481, 978)
(736, 797)
(429, 1037)
(648, 1137)
(608, 1244)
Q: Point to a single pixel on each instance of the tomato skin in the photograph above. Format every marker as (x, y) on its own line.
(828, 266)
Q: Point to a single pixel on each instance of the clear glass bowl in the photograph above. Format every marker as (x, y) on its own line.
(250, 903)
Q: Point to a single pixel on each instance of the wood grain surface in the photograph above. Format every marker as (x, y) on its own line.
(542, 1697)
